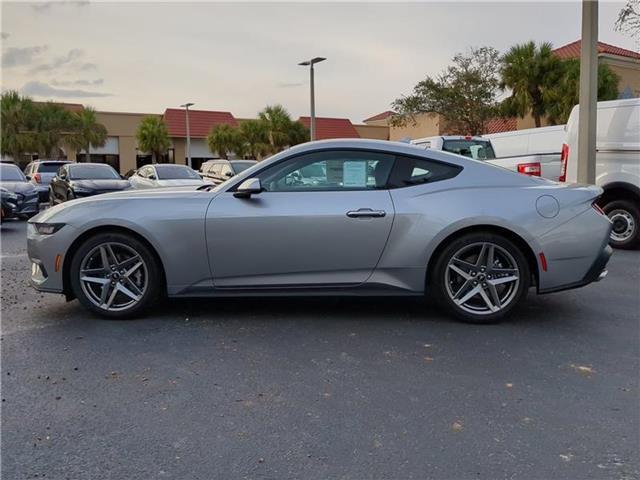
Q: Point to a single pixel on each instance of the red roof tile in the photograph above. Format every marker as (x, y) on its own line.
(380, 116)
(200, 122)
(331, 127)
(497, 125)
(572, 50)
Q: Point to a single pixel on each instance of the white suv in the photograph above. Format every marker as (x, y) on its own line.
(617, 165)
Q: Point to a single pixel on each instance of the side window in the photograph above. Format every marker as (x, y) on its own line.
(413, 171)
(215, 168)
(329, 171)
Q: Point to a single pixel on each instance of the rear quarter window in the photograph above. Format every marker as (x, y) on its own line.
(410, 171)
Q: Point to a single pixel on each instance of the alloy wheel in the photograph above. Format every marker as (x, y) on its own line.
(482, 278)
(113, 276)
(624, 225)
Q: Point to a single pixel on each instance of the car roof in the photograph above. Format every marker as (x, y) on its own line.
(44, 160)
(242, 160)
(91, 164)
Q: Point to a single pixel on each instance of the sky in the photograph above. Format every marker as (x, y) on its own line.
(239, 57)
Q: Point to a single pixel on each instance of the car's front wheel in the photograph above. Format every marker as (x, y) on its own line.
(480, 277)
(115, 275)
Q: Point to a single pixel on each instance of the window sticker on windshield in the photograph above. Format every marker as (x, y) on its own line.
(354, 174)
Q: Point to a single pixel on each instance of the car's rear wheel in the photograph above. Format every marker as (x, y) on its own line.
(480, 277)
(625, 217)
(115, 275)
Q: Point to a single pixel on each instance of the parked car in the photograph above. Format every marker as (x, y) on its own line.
(218, 171)
(77, 180)
(13, 180)
(165, 175)
(617, 165)
(40, 173)
(427, 221)
(9, 204)
(542, 145)
(481, 148)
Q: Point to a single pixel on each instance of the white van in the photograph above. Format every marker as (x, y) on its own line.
(544, 143)
(617, 165)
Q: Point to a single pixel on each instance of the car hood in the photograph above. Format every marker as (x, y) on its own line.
(107, 184)
(176, 182)
(18, 187)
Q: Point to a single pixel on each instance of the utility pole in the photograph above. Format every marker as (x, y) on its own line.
(310, 64)
(588, 93)
(186, 112)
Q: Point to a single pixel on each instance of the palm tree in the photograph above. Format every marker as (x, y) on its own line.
(564, 95)
(17, 123)
(87, 131)
(298, 133)
(277, 123)
(52, 124)
(153, 136)
(223, 139)
(529, 71)
(254, 135)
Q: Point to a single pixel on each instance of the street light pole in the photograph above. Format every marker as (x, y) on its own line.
(186, 112)
(310, 64)
(588, 93)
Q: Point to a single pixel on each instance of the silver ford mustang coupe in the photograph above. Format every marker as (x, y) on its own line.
(339, 217)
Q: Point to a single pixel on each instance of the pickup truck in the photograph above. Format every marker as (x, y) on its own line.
(545, 165)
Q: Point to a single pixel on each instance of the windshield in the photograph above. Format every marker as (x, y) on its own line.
(49, 167)
(242, 166)
(93, 172)
(476, 149)
(11, 173)
(176, 172)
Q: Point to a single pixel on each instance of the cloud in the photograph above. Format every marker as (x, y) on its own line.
(4, 35)
(15, 57)
(83, 83)
(41, 89)
(71, 57)
(45, 6)
(290, 85)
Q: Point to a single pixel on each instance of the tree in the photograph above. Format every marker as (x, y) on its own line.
(253, 134)
(298, 133)
(153, 136)
(17, 123)
(529, 71)
(223, 139)
(628, 21)
(52, 125)
(277, 123)
(464, 94)
(564, 94)
(87, 131)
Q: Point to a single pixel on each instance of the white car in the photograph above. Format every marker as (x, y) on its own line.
(480, 148)
(166, 175)
(617, 165)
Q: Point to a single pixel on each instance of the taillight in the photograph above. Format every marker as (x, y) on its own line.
(564, 158)
(530, 169)
(598, 209)
(37, 177)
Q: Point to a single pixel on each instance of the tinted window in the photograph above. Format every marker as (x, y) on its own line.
(49, 167)
(168, 172)
(241, 166)
(11, 173)
(335, 170)
(476, 149)
(413, 171)
(92, 172)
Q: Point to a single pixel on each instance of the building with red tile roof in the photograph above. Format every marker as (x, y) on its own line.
(384, 116)
(327, 128)
(200, 122)
(572, 50)
(497, 125)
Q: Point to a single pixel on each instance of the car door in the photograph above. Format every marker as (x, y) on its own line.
(329, 232)
(57, 184)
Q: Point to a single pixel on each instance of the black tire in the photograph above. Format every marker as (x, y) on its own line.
(155, 277)
(438, 289)
(625, 216)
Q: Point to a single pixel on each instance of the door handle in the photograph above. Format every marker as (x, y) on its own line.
(366, 213)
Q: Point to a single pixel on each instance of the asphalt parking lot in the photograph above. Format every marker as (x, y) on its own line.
(320, 388)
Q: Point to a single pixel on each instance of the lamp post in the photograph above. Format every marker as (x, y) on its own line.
(186, 112)
(310, 64)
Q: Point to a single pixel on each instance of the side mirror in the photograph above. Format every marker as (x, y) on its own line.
(123, 177)
(28, 177)
(247, 188)
(151, 177)
(228, 174)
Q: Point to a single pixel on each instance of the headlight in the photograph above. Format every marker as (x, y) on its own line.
(46, 228)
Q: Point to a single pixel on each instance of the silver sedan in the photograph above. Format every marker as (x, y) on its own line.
(379, 218)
